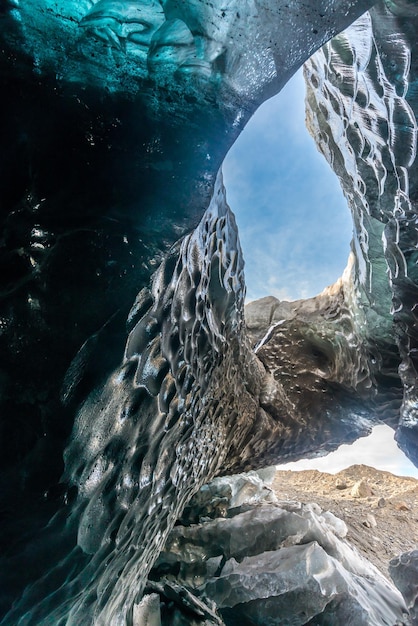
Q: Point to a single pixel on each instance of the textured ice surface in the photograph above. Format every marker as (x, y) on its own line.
(182, 406)
(147, 612)
(144, 441)
(115, 119)
(362, 106)
(404, 573)
(246, 46)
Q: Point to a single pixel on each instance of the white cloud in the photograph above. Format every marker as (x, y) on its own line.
(294, 225)
(379, 450)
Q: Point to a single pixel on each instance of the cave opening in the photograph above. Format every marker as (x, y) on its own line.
(294, 224)
(295, 230)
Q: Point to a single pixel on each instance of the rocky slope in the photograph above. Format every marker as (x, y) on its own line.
(380, 509)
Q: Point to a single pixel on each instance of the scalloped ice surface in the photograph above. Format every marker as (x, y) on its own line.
(369, 134)
(362, 105)
(116, 116)
(144, 441)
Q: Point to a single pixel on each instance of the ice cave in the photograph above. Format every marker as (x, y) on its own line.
(134, 388)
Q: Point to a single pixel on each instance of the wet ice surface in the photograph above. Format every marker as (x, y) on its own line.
(404, 572)
(362, 105)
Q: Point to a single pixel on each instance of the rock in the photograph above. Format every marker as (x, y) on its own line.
(370, 521)
(404, 573)
(182, 607)
(147, 612)
(361, 489)
(338, 525)
(213, 500)
(402, 506)
(381, 503)
(341, 484)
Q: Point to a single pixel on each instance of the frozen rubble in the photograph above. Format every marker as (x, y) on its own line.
(261, 561)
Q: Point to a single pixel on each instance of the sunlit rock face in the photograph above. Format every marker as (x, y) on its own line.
(116, 407)
(362, 106)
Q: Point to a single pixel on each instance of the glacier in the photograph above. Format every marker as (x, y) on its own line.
(130, 373)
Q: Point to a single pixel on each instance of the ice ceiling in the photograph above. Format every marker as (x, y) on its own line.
(129, 376)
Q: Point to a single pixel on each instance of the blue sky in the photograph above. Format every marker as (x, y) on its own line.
(295, 230)
(295, 227)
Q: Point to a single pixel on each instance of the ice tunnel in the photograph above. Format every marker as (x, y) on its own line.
(130, 376)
